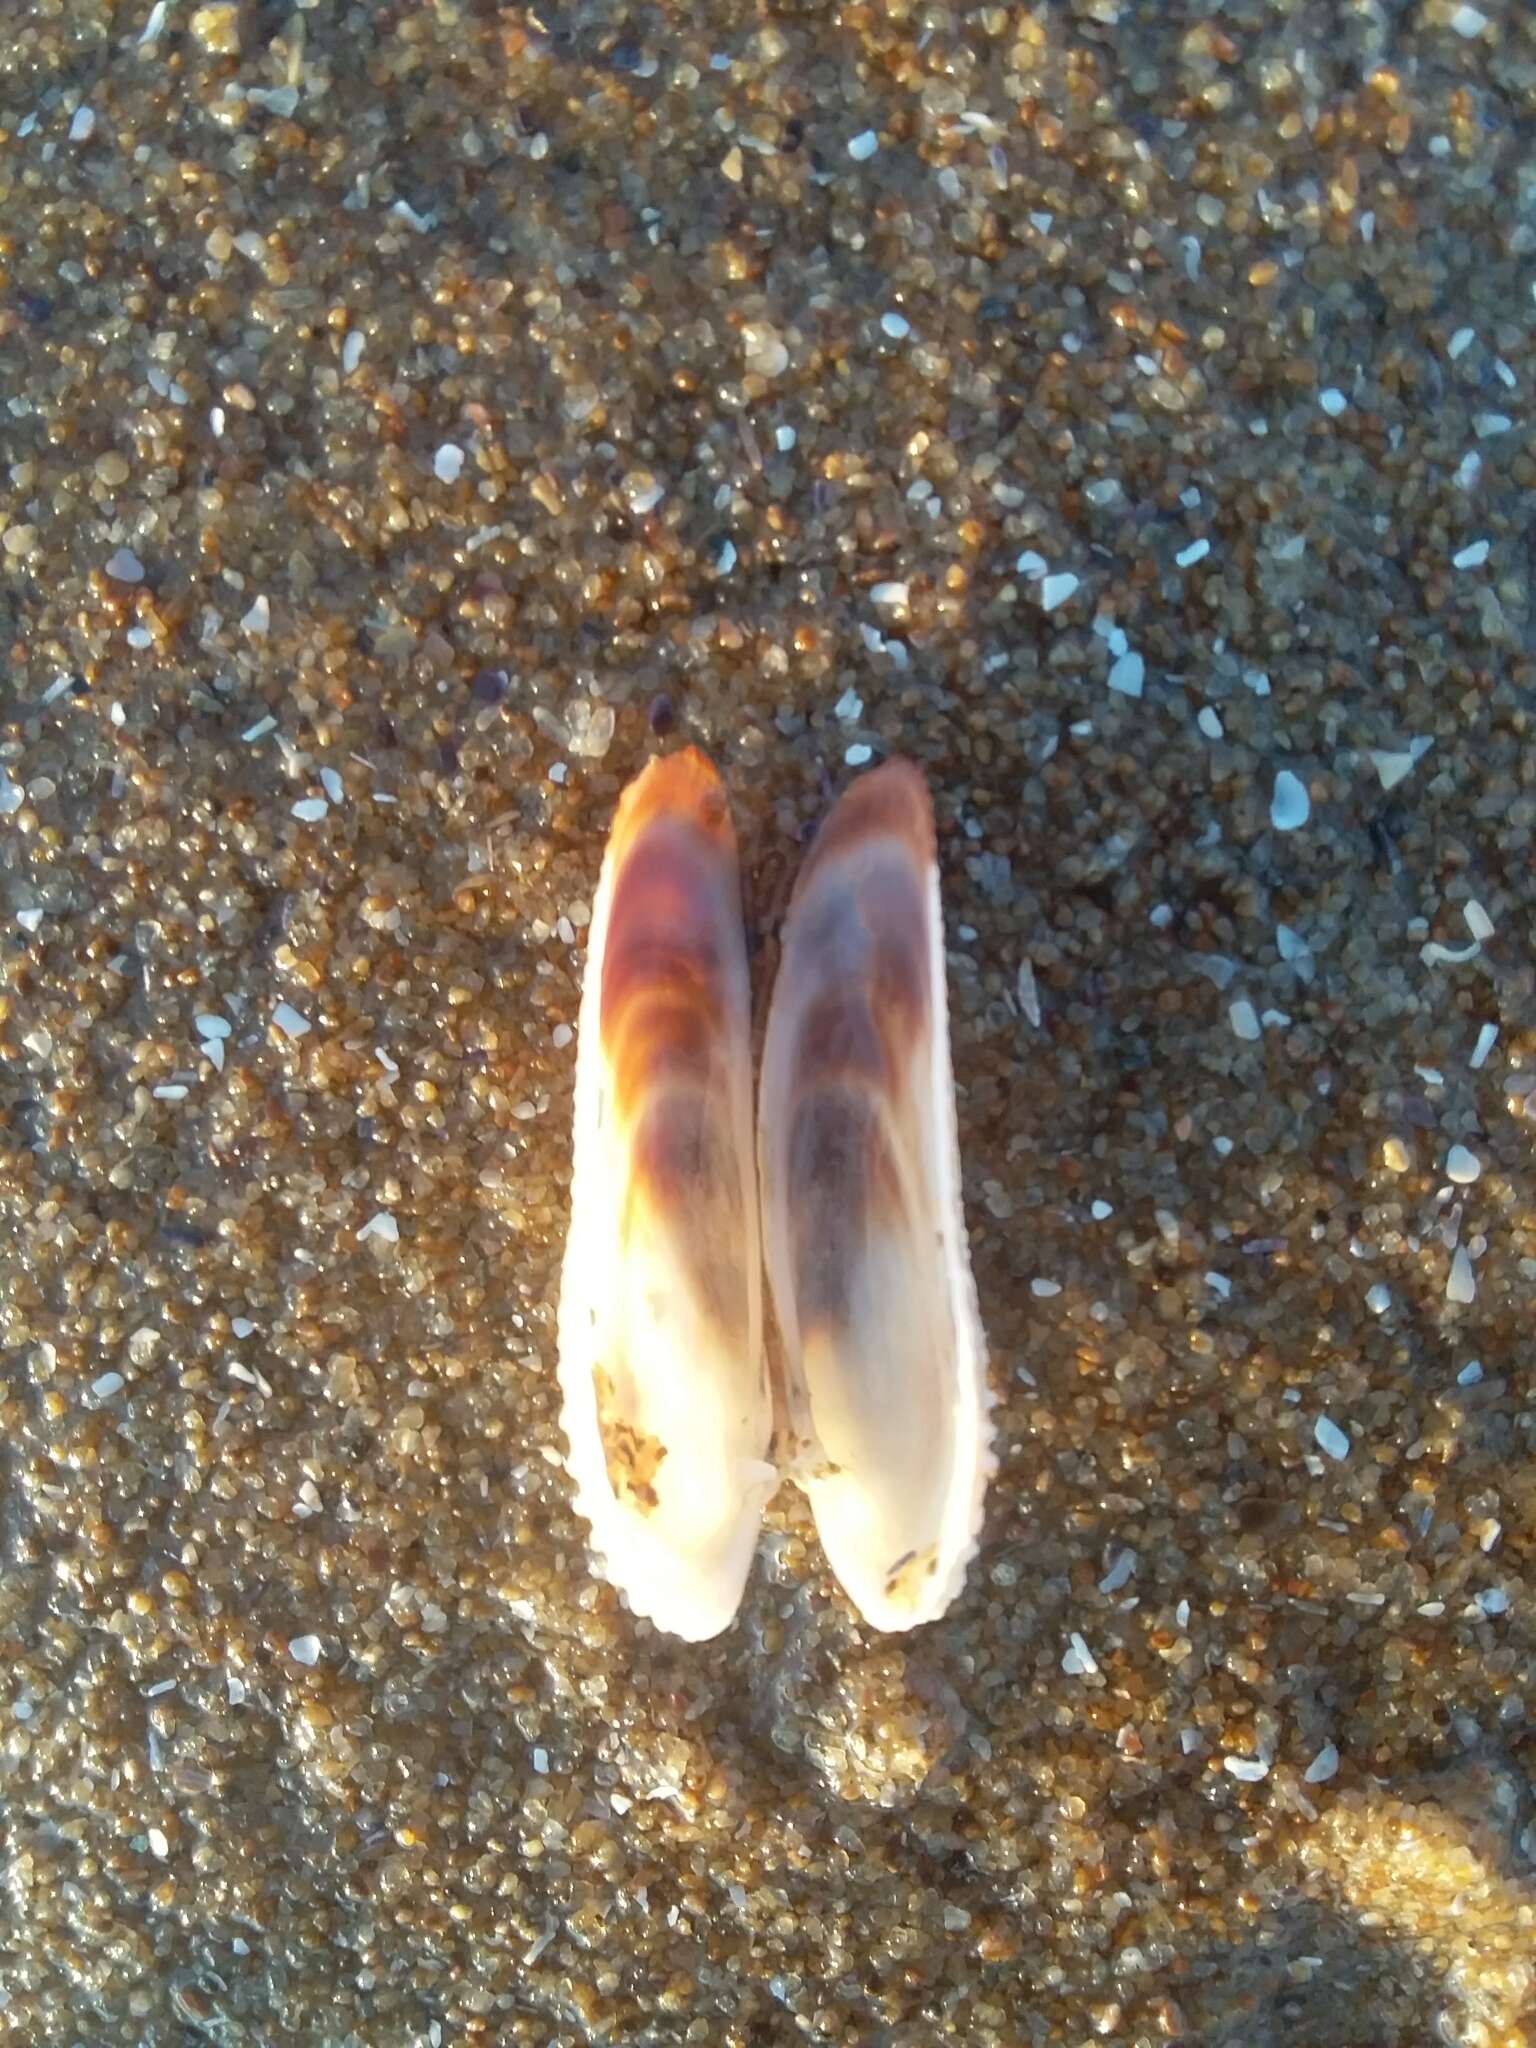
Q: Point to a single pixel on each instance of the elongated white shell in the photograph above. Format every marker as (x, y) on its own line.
(863, 1230)
(666, 1405)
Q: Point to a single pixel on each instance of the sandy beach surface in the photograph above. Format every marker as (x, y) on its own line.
(412, 417)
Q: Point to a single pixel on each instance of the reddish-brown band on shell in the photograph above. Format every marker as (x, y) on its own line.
(662, 980)
(892, 800)
(870, 1015)
(667, 996)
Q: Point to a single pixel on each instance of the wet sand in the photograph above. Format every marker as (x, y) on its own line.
(410, 419)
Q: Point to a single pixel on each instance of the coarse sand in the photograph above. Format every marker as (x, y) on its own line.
(413, 416)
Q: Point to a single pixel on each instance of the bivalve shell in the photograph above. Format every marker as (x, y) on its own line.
(666, 1406)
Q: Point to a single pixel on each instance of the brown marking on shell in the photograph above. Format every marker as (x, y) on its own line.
(685, 1182)
(670, 998)
(857, 1044)
(684, 787)
(873, 1010)
(666, 990)
(891, 801)
(852, 931)
(663, 996)
(906, 1574)
(633, 1458)
(843, 1182)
